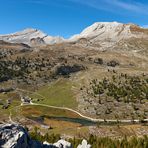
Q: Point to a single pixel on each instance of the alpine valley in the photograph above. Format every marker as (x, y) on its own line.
(94, 84)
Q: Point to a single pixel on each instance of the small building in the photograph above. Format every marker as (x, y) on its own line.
(26, 99)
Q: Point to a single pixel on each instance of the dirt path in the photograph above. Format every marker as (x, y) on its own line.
(78, 113)
(83, 116)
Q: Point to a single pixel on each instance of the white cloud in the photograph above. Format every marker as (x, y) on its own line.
(111, 5)
(131, 6)
(36, 1)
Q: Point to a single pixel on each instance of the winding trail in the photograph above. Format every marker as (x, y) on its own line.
(78, 113)
(83, 116)
(10, 119)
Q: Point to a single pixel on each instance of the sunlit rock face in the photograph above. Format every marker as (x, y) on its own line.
(84, 144)
(31, 37)
(15, 136)
(113, 35)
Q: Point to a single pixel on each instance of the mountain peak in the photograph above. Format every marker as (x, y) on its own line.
(108, 23)
(30, 29)
(104, 32)
(107, 30)
(100, 26)
(31, 36)
(27, 30)
(105, 35)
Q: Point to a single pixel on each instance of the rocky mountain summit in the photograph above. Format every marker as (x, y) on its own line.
(15, 136)
(113, 35)
(111, 30)
(31, 37)
(100, 36)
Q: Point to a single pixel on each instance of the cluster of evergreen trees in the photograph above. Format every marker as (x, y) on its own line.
(106, 142)
(22, 67)
(36, 135)
(96, 142)
(122, 87)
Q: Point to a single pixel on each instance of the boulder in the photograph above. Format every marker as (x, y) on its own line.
(84, 144)
(62, 144)
(15, 136)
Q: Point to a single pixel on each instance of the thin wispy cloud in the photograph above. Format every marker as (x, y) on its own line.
(106, 5)
(36, 1)
(56, 3)
(134, 6)
(112, 5)
(43, 2)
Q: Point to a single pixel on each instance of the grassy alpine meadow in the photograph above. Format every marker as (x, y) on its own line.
(33, 110)
(58, 93)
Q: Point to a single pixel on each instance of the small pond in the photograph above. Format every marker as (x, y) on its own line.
(83, 122)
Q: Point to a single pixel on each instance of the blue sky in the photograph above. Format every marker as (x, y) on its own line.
(68, 17)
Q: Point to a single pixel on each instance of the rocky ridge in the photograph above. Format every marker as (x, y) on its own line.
(110, 30)
(100, 36)
(15, 136)
(31, 37)
(110, 35)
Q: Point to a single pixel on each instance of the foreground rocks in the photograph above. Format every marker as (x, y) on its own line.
(15, 136)
(84, 144)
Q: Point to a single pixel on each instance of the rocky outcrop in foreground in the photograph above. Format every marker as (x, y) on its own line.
(15, 136)
(84, 144)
